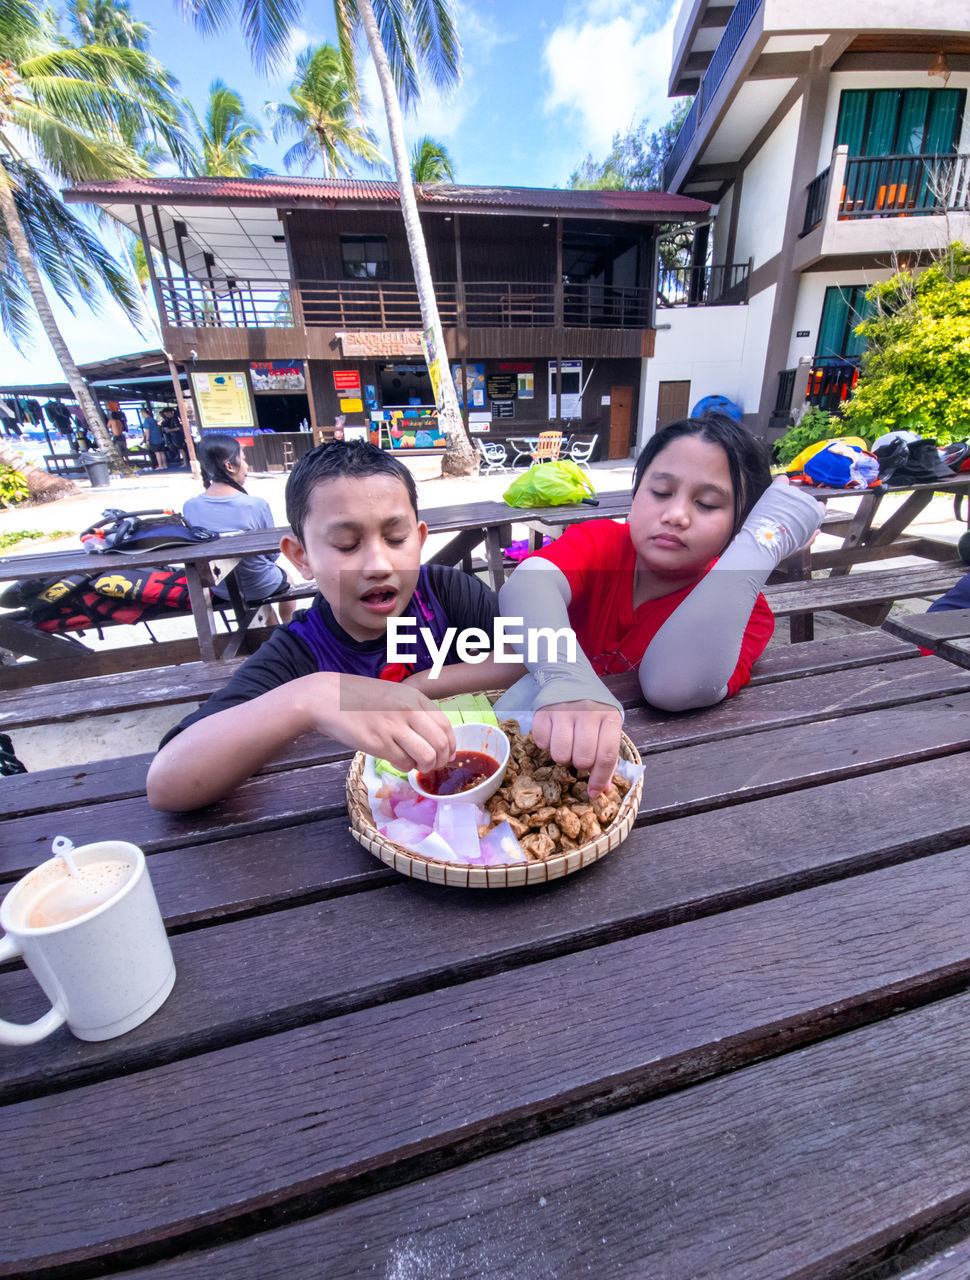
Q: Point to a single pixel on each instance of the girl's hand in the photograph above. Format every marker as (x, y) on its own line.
(585, 734)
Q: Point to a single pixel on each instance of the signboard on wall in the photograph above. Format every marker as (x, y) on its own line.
(475, 373)
(352, 406)
(502, 386)
(503, 408)
(277, 375)
(376, 343)
(346, 380)
(222, 399)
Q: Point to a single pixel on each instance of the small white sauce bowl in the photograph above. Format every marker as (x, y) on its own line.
(474, 736)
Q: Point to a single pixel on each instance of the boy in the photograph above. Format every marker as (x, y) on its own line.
(354, 514)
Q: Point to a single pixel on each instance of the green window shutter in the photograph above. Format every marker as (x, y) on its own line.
(881, 133)
(831, 329)
(912, 122)
(945, 115)
(859, 309)
(850, 129)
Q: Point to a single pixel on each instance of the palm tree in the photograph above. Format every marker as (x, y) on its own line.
(227, 136)
(430, 161)
(323, 116)
(107, 22)
(405, 38)
(75, 108)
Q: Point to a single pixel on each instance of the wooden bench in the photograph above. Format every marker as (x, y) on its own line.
(113, 694)
(867, 597)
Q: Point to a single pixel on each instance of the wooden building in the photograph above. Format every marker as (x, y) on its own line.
(292, 301)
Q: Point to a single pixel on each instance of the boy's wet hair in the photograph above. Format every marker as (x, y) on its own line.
(747, 457)
(214, 452)
(332, 460)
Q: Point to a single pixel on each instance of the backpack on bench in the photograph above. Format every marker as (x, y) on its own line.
(142, 531)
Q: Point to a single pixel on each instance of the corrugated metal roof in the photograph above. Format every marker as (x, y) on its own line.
(294, 191)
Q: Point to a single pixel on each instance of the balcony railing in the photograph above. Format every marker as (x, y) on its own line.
(703, 286)
(378, 304)
(895, 187)
(727, 46)
(818, 191)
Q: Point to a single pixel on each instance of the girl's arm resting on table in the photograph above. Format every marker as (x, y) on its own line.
(210, 758)
(576, 717)
(690, 660)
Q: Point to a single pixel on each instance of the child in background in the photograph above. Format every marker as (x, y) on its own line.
(674, 593)
(226, 507)
(353, 510)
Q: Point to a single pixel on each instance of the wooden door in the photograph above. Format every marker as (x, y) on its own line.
(621, 413)
(673, 402)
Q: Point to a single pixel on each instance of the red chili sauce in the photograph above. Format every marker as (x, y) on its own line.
(467, 770)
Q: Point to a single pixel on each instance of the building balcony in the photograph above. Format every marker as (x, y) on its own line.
(727, 46)
(373, 304)
(830, 382)
(703, 286)
(885, 204)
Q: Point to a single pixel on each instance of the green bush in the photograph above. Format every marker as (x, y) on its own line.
(14, 536)
(13, 487)
(815, 425)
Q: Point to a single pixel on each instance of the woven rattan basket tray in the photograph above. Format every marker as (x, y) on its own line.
(511, 875)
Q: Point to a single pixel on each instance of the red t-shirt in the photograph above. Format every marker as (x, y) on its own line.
(598, 561)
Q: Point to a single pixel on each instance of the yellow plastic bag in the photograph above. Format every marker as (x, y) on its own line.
(550, 484)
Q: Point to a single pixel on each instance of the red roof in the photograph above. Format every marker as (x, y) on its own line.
(314, 191)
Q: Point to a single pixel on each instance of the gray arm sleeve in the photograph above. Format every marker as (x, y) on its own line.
(691, 658)
(538, 593)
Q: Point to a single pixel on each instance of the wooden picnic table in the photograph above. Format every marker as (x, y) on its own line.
(486, 525)
(735, 1048)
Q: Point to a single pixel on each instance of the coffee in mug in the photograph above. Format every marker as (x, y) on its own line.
(89, 929)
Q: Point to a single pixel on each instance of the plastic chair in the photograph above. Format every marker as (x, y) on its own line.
(580, 451)
(494, 457)
(547, 447)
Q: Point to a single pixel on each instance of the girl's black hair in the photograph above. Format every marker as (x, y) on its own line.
(334, 459)
(747, 457)
(213, 453)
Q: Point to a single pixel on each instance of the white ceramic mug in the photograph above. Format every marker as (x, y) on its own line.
(96, 943)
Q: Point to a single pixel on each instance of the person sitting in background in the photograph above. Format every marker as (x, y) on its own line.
(226, 507)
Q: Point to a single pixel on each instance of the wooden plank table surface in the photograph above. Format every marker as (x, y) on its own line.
(734, 1048)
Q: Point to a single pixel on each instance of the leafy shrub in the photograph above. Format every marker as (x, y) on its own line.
(14, 536)
(815, 425)
(13, 487)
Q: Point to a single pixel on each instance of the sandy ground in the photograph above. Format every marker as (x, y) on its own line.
(101, 737)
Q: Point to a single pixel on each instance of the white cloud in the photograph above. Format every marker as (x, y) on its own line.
(608, 65)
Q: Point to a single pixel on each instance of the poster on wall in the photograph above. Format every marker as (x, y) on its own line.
(351, 406)
(476, 385)
(502, 386)
(346, 380)
(222, 399)
(277, 375)
(526, 383)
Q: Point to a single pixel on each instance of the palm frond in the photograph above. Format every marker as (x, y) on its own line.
(68, 254)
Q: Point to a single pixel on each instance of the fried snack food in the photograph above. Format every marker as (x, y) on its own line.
(547, 805)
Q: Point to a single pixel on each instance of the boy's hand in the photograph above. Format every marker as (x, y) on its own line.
(392, 721)
(586, 734)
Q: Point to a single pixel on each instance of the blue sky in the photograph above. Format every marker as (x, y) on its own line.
(543, 84)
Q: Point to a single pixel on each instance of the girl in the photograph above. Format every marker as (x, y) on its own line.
(226, 507)
(642, 595)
